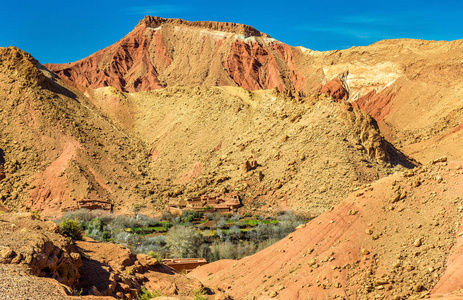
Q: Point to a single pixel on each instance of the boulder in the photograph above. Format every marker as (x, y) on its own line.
(335, 89)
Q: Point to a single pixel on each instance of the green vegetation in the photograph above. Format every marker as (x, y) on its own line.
(77, 292)
(200, 294)
(183, 241)
(35, 215)
(71, 228)
(146, 295)
(155, 255)
(189, 216)
(211, 235)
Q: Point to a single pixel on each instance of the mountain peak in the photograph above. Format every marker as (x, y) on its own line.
(26, 67)
(246, 30)
(163, 52)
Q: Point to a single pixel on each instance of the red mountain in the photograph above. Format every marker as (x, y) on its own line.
(164, 52)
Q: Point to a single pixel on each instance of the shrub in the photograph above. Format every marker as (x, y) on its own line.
(95, 224)
(235, 217)
(189, 216)
(153, 243)
(137, 206)
(106, 235)
(209, 216)
(120, 223)
(70, 228)
(158, 240)
(235, 231)
(183, 241)
(146, 221)
(200, 294)
(147, 248)
(127, 239)
(146, 295)
(106, 218)
(35, 215)
(81, 215)
(225, 250)
(221, 223)
(155, 255)
(167, 216)
(204, 251)
(167, 225)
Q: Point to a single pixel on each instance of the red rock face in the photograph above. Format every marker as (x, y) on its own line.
(164, 52)
(253, 67)
(125, 66)
(335, 89)
(378, 105)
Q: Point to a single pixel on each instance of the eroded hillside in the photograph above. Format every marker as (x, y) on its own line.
(408, 86)
(398, 238)
(309, 152)
(165, 52)
(178, 109)
(412, 88)
(145, 148)
(55, 148)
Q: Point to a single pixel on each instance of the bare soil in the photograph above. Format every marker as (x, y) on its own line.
(393, 239)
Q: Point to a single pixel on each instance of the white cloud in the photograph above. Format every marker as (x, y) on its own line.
(358, 33)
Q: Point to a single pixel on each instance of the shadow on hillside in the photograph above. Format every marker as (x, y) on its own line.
(396, 157)
(93, 273)
(54, 86)
(2, 158)
(2, 162)
(59, 89)
(164, 269)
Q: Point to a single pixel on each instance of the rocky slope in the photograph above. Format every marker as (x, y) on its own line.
(36, 262)
(33, 248)
(165, 52)
(408, 86)
(411, 87)
(398, 238)
(309, 152)
(109, 145)
(55, 147)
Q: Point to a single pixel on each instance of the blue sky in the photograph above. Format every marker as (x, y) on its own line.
(65, 31)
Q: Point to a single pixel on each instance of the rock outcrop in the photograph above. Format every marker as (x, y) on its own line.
(36, 262)
(165, 52)
(335, 89)
(18, 62)
(410, 87)
(241, 29)
(112, 270)
(34, 248)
